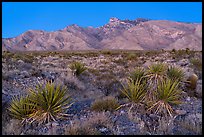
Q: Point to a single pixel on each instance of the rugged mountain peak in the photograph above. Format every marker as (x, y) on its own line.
(114, 20)
(142, 19)
(138, 34)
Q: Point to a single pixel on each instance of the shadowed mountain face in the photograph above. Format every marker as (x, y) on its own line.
(139, 34)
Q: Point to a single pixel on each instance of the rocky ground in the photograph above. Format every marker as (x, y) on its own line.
(106, 71)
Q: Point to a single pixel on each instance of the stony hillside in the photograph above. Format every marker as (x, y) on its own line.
(97, 90)
(139, 34)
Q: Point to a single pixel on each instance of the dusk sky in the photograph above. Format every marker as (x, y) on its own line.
(18, 17)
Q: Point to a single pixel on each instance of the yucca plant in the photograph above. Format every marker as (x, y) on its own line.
(138, 73)
(157, 71)
(135, 92)
(51, 102)
(21, 108)
(167, 94)
(78, 68)
(175, 73)
(155, 74)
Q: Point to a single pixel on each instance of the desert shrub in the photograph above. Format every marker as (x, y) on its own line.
(106, 52)
(175, 73)
(173, 50)
(78, 128)
(27, 58)
(192, 81)
(179, 54)
(187, 50)
(89, 125)
(108, 103)
(197, 63)
(43, 104)
(131, 56)
(78, 68)
(167, 94)
(96, 72)
(152, 53)
(7, 54)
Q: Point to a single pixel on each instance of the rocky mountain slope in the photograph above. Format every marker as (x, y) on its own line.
(139, 34)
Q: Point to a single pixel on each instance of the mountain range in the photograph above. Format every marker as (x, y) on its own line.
(138, 34)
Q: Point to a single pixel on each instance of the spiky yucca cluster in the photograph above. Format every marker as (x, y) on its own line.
(135, 91)
(78, 68)
(138, 73)
(157, 72)
(167, 94)
(43, 104)
(175, 73)
(157, 87)
(21, 107)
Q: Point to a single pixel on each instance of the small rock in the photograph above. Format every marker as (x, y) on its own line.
(20, 61)
(183, 62)
(180, 112)
(122, 112)
(24, 74)
(103, 129)
(188, 99)
(147, 64)
(154, 117)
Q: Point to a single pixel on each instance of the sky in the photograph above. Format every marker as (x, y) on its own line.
(19, 17)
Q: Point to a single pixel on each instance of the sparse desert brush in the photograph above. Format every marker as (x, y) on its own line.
(152, 53)
(179, 54)
(167, 94)
(7, 54)
(175, 73)
(78, 68)
(192, 81)
(131, 56)
(78, 128)
(108, 103)
(26, 57)
(43, 104)
(89, 125)
(173, 50)
(197, 63)
(106, 52)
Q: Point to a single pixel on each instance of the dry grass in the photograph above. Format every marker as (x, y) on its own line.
(90, 125)
(108, 103)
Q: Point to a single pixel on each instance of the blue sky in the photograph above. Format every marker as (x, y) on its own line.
(18, 17)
